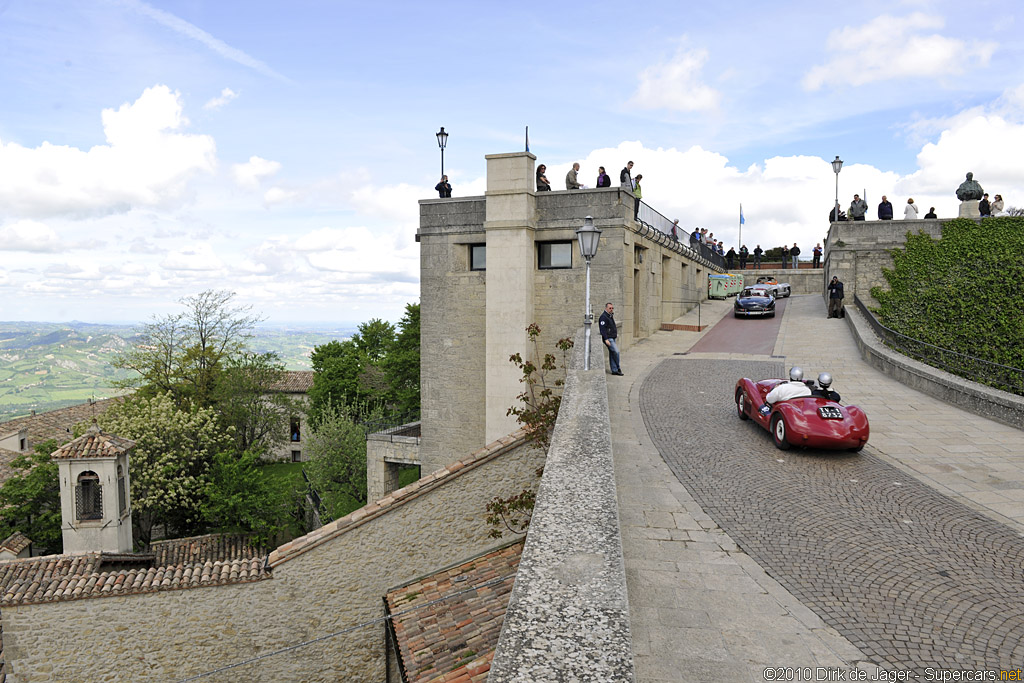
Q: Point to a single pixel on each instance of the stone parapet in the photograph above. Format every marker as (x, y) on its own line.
(568, 618)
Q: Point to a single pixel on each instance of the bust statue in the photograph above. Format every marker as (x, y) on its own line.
(969, 189)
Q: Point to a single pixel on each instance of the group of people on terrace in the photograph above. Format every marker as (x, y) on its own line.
(859, 208)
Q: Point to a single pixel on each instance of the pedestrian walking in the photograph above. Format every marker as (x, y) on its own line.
(835, 298)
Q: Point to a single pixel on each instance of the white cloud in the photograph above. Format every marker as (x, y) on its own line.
(226, 95)
(196, 257)
(676, 84)
(145, 163)
(390, 202)
(280, 195)
(359, 254)
(250, 174)
(890, 47)
(28, 235)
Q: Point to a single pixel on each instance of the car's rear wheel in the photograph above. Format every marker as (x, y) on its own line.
(779, 430)
(741, 404)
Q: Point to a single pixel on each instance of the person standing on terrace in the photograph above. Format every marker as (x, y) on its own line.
(603, 179)
(571, 181)
(542, 180)
(444, 188)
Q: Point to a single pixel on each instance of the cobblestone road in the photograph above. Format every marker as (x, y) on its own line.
(913, 578)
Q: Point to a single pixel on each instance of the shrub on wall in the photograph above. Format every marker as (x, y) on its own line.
(964, 292)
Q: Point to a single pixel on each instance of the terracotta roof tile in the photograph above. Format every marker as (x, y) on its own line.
(15, 543)
(93, 444)
(294, 382)
(453, 640)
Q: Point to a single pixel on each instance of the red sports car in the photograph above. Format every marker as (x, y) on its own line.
(808, 421)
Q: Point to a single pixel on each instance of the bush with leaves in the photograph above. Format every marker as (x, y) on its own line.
(30, 500)
(337, 458)
(240, 499)
(962, 292)
(542, 395)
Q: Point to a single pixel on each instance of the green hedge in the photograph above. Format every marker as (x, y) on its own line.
(964, 292)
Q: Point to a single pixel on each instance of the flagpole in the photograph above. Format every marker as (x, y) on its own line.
(741, 226)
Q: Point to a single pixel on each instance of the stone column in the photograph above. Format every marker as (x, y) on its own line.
(511, 261)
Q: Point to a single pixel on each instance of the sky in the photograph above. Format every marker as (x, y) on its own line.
(153, 150)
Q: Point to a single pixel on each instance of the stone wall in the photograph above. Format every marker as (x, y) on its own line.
(452, 325)
(802, 281)
(857, 251)
(323, 583)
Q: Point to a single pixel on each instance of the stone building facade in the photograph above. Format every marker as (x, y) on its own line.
(492, 265)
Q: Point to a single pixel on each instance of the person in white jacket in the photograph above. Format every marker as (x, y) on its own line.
(910, 213)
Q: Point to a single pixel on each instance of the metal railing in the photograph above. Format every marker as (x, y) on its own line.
(657, 227)
(1004, 377)
(407, 425)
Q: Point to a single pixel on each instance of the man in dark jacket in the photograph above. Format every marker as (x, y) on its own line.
(885, 209)
(835, 298)
(444, 188)
(793, 254)
(609, 333)
(984, 206)
(785, 256)
(757, 257)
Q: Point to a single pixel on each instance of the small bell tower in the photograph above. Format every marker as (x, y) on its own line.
(95, 493)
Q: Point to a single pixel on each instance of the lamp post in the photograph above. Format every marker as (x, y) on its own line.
(588, 237)
(837, 166)
(442, 140)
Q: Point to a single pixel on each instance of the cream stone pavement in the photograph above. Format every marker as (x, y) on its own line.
(700, 608)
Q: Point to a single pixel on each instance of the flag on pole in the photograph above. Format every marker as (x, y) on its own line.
(741, 215)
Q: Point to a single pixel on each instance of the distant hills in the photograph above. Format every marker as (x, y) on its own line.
(45, 366)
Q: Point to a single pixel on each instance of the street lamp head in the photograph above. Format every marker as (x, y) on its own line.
(588, 237)
(837, 165)
(442, 138)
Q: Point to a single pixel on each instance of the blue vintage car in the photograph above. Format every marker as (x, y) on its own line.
(754, 302)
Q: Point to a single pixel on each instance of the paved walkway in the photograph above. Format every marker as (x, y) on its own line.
(704, 610)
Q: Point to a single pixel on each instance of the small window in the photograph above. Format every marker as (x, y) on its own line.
(23, 444)
(122, 493)
(554, 255)
(296, 430)
(478, 257)
(89, 496)
(296, 456)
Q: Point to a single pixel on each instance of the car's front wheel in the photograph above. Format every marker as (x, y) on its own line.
(741, 404)
(779, 429)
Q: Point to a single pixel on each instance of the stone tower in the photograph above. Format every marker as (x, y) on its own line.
(95, 493)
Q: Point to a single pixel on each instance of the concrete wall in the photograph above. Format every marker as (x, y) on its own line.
(857, 251)
(322, 583)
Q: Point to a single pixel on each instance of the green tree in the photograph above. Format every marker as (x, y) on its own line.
(239, 499)
(170, 464)
(245, 402)
(351, 372)
(30, 499)
(181, 354)
(402, 364)
(337, 459)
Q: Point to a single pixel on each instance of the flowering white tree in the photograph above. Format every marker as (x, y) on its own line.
(170, 463)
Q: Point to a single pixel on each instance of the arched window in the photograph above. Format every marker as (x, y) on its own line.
(122, 494)
(89, 496)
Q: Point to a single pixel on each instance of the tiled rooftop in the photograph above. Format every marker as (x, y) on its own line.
(209, 548)
(93, 444)
(15, 543)
(70, 577)
(294, 382)
(55, 424)
(452, 640)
